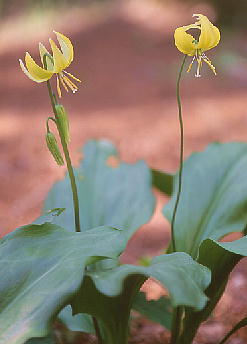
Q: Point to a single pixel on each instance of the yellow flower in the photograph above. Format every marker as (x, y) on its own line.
(52, 64)
(208, 39)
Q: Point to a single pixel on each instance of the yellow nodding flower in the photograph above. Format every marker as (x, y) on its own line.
(209, 37)
(54, 63)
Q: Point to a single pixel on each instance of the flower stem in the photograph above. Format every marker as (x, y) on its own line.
(97, 330)
(181, 154)
(178, 311)
(68, 161)
(176, 324)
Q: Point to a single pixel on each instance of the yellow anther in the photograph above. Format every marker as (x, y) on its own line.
(70, 84)
(209, 63)
(63, 83)
(72, 76)
(209, 37)
(191, 64)
(56, 64)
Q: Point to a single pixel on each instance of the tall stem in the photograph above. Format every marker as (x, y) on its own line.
(68, 162)
(97, 330)
(178, 311)
(176, 324)
(181, 154)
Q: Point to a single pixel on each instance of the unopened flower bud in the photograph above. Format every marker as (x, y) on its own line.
(53, 148)
(63, 121)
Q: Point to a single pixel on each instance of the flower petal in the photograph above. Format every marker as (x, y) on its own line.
(49, 60)
(33, 71)
(184, 41)
(210, 34)
(66, 47)
(60, 62)
(25, 71)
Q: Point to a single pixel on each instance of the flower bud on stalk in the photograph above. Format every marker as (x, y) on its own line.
(63, 122)
(53, 148)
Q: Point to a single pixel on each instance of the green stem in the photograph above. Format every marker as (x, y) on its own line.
(176, 324)
(97, 330)
(68, 161)
(178, 312)
(181, 154)
(239, 325)
(47, 123)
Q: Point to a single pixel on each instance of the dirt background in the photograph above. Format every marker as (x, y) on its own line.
(125, 55)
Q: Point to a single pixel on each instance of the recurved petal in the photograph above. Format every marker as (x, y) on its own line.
(24, 69)
(66, 46)
(210, 34)
(184, 41)
(33, 71)
(60, 62)
(49, 59)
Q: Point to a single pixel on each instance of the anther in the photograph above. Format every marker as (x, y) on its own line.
(190, 66)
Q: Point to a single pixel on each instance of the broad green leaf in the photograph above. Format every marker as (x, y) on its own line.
(163, 181)
(118, 196)
(220, 258)
(48, 216)
(156, 310)
(112, 312)
(41, 267)
(214, 196)
(79, 322)
(108, 295)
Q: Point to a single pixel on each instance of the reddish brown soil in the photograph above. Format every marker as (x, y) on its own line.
(129, 63)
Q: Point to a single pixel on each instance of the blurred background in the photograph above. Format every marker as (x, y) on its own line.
(125, 55)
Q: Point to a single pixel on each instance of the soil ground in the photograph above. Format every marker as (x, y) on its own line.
(125, 55)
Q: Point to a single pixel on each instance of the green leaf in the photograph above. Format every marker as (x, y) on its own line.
(213, 201)
(114, 196)
(156, 310)
(220, 258)
(48, 216)
(41, 268)
(79, 322)
(163, 181)
(108, 295)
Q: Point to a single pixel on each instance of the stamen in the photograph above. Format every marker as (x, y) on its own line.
(209, 63)
(205, 56)
(200, 57)
(58, 88)
(67, 83)
(72, 76)
(70, 84)
(199, 61)
(190, 66)
(62, 82)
